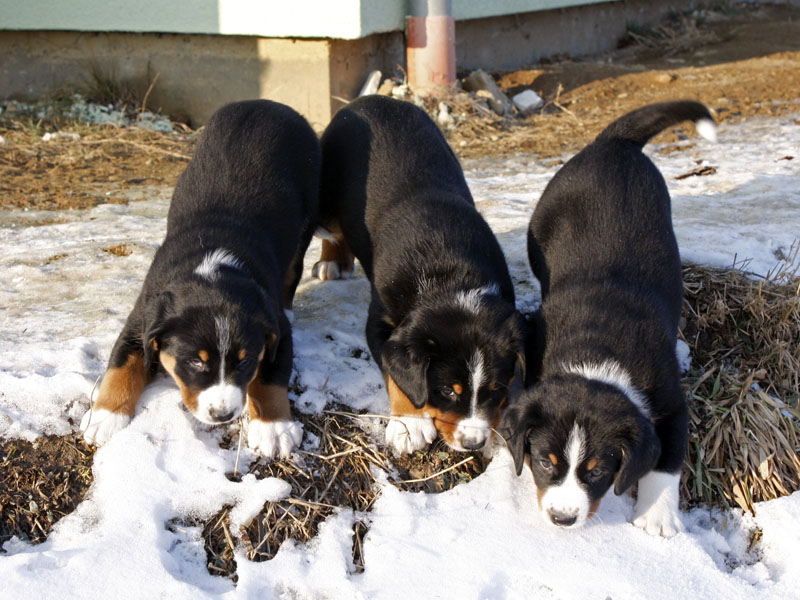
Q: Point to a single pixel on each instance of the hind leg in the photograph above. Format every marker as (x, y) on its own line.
(336, 260)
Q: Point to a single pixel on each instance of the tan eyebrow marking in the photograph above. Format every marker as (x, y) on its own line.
(458, 388)
(591, 464)
(553, 458)
(242, 354)
(203, 355)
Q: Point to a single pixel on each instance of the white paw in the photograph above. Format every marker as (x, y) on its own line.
(98, 425)
(412, 432)
(661, 520)
(274, 438)
(656, 509)
(328, 270)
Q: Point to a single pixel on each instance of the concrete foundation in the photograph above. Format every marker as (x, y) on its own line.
(198, 73)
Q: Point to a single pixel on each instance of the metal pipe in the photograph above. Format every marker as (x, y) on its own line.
(431, 46)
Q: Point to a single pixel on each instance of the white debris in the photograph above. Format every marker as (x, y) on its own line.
(444, 118)
(371, 84)
(61, 135)
(527, 101)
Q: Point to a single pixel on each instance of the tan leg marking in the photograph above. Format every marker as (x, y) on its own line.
(445, 422)
(268, 402)
(122, 387)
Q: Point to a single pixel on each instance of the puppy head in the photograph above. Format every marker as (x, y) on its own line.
(458, 365)
(212, 348)
(579, 437)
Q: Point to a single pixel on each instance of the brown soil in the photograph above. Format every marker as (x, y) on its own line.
(40, 483)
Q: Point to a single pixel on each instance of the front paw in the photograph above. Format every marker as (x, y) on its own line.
(660, 519)
(274, 438)
(98, 425)
(409, 433)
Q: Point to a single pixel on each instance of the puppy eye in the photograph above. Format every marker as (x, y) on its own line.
(198, 365)
(448, 393)
(245, 364)
(595, 474)
(546, 464)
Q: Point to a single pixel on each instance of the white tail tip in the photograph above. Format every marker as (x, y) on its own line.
(707, 129)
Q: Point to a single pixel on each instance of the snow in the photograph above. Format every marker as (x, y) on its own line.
(64, 299)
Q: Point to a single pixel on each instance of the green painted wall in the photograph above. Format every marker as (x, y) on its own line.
(343, 19)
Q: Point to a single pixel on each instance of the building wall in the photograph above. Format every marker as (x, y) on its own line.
(339, 19)
(199, 72)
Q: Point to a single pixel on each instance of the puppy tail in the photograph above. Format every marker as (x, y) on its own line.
(642, 124)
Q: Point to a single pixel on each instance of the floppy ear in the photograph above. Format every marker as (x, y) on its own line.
(157, 321)
(515, 428)
(640, 453)
(409, 370)
(517, 335)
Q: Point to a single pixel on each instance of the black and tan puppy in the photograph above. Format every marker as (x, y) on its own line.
(442, 324)
(608, 408)
(211, 311)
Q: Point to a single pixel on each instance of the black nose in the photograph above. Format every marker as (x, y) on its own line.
(221, 417)
(562, 519)
(476, 444)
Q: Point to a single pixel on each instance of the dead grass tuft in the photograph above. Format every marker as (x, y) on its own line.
(744, 428)
(678, 34)
(41, 482)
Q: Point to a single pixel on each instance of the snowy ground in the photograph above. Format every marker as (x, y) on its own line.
(64, 299)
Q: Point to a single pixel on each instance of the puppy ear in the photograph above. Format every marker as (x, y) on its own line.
(408, 369)
(515, 428)
(516, 330)
(157, 322)
(641, 450)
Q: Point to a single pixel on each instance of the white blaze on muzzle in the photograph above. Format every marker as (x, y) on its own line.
(567, 504)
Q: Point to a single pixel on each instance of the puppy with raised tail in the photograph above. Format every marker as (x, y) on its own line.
(211, 311)
(442, 325)
(608, 408)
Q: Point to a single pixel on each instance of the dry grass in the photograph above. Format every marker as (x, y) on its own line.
(680, 33)
(341, 474)
(744, 429)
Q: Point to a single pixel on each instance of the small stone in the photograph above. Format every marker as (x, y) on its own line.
(527, 101)
(480, 81)
(664, 78)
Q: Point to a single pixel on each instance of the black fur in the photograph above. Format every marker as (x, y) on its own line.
(251, 189)
(405, 210)
(601, 243)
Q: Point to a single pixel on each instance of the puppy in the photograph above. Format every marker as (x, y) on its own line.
(608, 408)
(442, 325)
(211, 311)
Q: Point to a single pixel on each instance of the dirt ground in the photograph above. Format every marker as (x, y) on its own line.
(743, 63)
